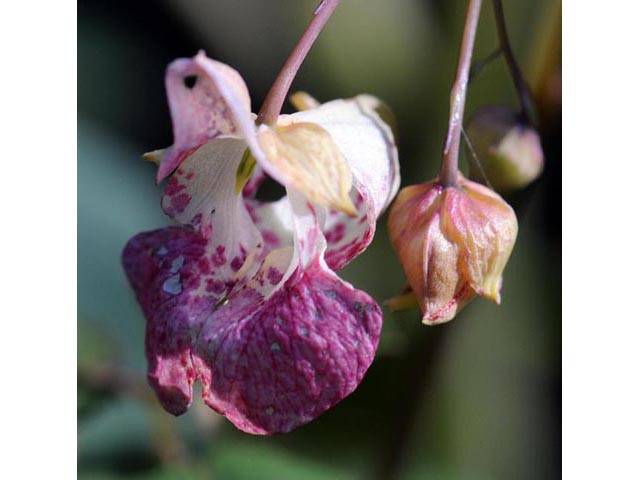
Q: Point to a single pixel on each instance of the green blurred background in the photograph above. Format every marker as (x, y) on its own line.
(477, 398)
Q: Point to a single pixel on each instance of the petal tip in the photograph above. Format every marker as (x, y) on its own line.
(173, 386)
(438, 317)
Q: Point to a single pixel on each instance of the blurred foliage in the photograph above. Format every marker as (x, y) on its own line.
(477, 398)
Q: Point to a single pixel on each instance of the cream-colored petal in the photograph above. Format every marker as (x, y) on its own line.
(308, 159)
(366, 142)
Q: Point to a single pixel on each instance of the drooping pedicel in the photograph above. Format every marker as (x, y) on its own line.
(242, 294)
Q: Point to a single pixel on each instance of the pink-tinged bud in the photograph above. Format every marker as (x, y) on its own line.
(509, 153)
(453, 243)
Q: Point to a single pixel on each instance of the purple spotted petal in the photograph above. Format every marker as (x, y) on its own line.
(201, 194)
(164, 268)
(271, 367)
(274, 348)
(274, 220)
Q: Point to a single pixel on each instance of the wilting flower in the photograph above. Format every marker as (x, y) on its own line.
(242, 295)
(453, 243)
(508, 152)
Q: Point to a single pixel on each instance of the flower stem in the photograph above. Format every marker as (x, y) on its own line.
(449, 169)
(276, 96)
(524, 94)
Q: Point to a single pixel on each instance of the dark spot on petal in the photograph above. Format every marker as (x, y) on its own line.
(219, 258)
(274, 275)
(236, 263)
(180, 202)
(190, 81)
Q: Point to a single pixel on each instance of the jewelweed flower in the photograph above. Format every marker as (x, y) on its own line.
(241, 295)
(453, 243)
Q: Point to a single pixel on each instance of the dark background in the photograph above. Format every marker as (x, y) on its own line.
(477, 398)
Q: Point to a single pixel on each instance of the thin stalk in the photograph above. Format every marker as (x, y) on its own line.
(524, 94)
(478, 67)
(276, 96)
(449, 169)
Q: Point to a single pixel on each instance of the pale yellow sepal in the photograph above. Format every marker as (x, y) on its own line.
(303, 101)
(405, 301)
(309, 160)
(155, 157)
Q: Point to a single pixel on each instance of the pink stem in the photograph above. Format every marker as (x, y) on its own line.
(449, 169)
(276, 96)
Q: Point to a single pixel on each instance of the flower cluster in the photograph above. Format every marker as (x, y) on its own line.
(242, 294)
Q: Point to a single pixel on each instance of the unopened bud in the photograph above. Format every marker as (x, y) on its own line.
(506, 152)
(453, 243)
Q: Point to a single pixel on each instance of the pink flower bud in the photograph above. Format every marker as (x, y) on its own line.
(509, 154)
(453, 243)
